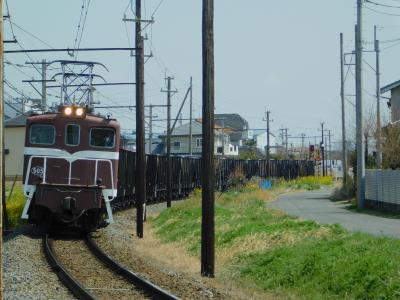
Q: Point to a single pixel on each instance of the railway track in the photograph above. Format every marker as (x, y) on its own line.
(89, 273)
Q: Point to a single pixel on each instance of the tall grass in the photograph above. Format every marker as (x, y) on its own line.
(305, 183)
(15, 204)
(267, 250)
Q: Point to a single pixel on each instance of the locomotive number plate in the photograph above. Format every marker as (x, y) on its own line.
(37, 171)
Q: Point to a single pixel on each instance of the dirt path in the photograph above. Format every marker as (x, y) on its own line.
(315, 205)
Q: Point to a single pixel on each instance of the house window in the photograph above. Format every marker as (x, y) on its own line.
(231, 149)
(199, 142)
(176, 146)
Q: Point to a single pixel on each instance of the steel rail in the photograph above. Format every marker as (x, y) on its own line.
(67, 279)
(149, 288)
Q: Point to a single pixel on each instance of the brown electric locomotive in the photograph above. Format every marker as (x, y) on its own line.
(70, 168)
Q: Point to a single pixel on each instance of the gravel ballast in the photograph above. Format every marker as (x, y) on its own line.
(26, 273)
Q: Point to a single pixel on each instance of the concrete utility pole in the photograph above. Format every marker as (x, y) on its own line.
(359, 111)
(140, 182)
(44, 93)
(286, 143)
(169, 162)
(191, 117)
(267, 119)
(344, 142)
(2, 173)
(378, 104)
(323, 149)
(284, 137)
(207, 170)
(330, 152)
(303, 136)
(268, 152)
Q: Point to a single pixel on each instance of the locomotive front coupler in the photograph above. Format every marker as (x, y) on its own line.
(69, 203)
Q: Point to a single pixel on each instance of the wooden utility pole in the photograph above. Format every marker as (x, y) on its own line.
(344, 142)
(207, 169)
(2, 167)
(378, 104)
(140, 182)
(151, 129)
(191, 117)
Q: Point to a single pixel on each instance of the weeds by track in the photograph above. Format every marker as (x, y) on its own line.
(93, 274)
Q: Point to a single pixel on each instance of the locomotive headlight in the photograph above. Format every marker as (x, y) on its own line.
(68, 111)
(79, 112)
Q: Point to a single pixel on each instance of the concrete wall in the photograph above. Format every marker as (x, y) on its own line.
(383, 186)
(14, 140)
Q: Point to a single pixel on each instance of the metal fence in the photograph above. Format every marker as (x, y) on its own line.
(382, 189)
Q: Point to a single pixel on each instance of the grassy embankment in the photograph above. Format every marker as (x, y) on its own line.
(15, 204)
(268, 251)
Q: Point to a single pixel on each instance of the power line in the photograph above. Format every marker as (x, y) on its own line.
(381, 4)
(157, 7)
(30, 34)
(381, 12)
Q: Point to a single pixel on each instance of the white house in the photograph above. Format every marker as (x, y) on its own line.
(180, 140)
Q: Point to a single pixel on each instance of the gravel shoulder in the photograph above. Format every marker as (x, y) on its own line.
(316, 205)
(26, 273)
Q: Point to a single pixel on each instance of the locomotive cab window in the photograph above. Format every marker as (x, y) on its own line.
(72, 135)
(42, 134)
(102, 137)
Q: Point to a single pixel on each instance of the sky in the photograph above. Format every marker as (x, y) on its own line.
(277, 55)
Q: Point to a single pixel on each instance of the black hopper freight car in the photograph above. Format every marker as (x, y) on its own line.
(186, 177)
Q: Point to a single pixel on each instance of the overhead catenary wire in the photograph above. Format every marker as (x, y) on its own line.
(82, 29)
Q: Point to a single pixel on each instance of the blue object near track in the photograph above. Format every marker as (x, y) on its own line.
(265, 184)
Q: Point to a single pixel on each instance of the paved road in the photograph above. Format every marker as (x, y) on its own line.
(315, 205)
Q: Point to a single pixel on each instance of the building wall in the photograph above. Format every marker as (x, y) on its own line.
(196, 146)
(261, 141)
(395, 102)
(14, 140)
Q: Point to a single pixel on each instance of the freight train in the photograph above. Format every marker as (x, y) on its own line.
(75, 173)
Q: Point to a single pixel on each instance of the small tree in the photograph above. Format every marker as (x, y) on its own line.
(391, 147)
